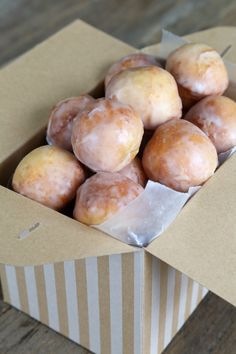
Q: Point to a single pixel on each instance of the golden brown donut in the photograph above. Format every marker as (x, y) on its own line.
(102, 195)
(199, 71)
(134, 170)
(179, 155)
(49, 175)
(108, 137)
(61, 120)
(216, 117)
(130, 61)
(151, 91)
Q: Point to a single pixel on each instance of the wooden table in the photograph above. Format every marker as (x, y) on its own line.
(24, 23)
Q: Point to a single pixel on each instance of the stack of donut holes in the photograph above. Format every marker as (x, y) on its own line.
(163, 124)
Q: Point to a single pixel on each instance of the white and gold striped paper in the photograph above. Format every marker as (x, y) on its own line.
(125, 303)
(171, 297)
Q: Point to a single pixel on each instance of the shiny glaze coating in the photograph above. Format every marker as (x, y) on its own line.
(130, 61)
(134, 170)
(49, 175)
(61, 120)
(216, 117)
(179, 155)
(102, 195)
(199, 71)
(107, 137)
(151, 91)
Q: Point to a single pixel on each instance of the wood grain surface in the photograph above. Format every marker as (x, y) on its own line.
(23, 24)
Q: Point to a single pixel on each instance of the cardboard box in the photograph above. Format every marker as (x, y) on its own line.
(108, 296)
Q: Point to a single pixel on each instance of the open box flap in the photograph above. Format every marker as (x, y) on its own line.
(41, 235)
(201, 242)
(71, 62)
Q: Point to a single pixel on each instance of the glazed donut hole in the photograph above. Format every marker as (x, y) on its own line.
(49, 175)
(130, 61)
(199, 72)
(108, 137)
(61, 120)
(103, 195)
(134, 170)
(151, 91)
(180, 156)
(216, 117)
